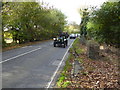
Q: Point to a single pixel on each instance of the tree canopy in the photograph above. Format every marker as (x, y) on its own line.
(103, 24)
(31, 21)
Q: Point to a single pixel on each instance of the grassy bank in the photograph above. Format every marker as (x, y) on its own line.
(62, 80)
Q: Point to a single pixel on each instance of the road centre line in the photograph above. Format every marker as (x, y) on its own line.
(20, 55)
(52, 78)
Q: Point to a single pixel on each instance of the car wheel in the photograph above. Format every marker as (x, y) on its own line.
(54, 44)
(64, 45)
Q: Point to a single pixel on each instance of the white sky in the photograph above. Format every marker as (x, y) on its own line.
(71, 7)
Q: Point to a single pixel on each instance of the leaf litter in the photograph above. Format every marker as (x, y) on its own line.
(101, 73)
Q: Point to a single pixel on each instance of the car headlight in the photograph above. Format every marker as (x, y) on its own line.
(64, 39)
(54, 38)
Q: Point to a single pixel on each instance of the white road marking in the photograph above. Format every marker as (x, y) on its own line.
(52, 78)
(19, 55)
(56, 62)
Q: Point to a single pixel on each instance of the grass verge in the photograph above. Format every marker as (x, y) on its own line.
(62, 81)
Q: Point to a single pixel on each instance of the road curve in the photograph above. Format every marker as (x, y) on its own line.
(31, 66)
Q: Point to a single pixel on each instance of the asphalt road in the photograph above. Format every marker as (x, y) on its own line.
(31, 66)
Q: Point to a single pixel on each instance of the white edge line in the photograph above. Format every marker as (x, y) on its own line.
(19, 55)
(52, 78)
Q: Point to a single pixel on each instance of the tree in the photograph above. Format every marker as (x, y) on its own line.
(85, 17)
(104, 23)
(30, 21)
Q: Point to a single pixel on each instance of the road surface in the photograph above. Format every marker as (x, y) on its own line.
(31, 66)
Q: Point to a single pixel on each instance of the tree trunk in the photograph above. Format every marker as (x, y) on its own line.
(93, 50)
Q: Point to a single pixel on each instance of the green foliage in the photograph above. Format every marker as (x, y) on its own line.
(62, 83)
(104, 24)
(65, 84)
(67, 63)
(76, 46)
(3, 43)
(60, 80)
(85, 17)
(75, 43)
(59, 83)
(80, 59)
(30, 21)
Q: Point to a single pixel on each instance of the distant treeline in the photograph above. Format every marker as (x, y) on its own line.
(30, 21)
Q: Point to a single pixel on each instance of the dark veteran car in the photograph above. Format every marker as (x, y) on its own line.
(60, 41)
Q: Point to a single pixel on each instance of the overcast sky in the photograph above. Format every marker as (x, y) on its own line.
(71, 7)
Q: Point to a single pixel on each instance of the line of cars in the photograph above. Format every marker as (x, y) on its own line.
(73, 36)
(62, 41)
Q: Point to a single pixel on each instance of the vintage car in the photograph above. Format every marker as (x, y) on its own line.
(60, 41)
